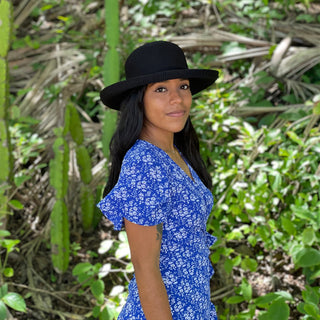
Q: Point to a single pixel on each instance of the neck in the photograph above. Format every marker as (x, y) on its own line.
(163, 142)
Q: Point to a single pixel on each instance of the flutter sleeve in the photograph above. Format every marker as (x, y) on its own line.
(141, 195)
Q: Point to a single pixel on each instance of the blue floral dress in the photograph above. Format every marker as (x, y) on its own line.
(153, 189)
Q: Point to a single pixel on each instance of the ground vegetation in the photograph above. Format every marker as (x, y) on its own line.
(260, 138)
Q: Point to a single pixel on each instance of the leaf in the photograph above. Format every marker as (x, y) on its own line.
(8, 272)
(17, 205)
(304, 212)
(105, 314)
(96, 311)
(228, 265)
(306, 18)
(123, 251)
(116, 290)
(9, 244)
(308, 236)
(104, 270)
(235, 300)
(293, 136)
(4, 233)
(276, 184)
(288, 226)
(232, 48)
(310, 295)
(264, 80)
(263, 301)
(246, 289)
(315, 275)
(316, 108)
(3, 311)
(21, 179)
(308, 257)
(81, 268)
(15, 301)
(312, 310)
(129, 267)
(278, 310)
(285, 295)
(97, 288)
(105, 246)
(3, 290)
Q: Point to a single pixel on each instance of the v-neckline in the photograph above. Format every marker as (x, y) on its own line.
(191, 177)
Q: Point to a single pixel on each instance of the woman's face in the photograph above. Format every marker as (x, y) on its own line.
(166, 106)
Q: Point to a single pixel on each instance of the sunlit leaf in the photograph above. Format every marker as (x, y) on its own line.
(14, 301)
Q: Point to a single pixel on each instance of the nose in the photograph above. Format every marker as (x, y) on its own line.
(175, 97)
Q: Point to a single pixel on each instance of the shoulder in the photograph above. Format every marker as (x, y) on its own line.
(144, 159)
(142, 152)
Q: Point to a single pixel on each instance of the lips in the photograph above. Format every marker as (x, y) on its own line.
(178, 113)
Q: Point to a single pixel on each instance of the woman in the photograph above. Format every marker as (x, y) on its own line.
(158, 188)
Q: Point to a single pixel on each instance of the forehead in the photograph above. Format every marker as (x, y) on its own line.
(168, 81)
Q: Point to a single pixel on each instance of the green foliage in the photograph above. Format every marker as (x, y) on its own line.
(310, 304)
(111, 73)
(111, 68)
(60, 242)
(10, 299)
(9, 245)
(84, 163)
(73, 125)
(59, 167)
(267, 190)
(5, 29)
(109, 125)
(7, 299)
(87, 201)
(146, 12)
(5, 149)
(266, 182)
(112, 24)
(91, 276)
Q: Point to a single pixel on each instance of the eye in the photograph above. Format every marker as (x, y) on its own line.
(160, 89)
(185, 86)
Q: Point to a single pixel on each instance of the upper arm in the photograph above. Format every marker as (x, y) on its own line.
(145, 244)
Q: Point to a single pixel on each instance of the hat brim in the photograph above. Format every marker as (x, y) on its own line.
(200, 79)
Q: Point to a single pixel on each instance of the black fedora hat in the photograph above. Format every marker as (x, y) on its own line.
(155, 62)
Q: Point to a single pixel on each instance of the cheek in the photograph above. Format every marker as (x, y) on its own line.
(151, 112)
(188, 102)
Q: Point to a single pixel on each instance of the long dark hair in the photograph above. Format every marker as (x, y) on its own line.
(129, 129)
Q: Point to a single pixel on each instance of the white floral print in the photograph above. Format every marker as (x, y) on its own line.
(153, 189)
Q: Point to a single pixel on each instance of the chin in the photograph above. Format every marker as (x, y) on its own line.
(178, 129)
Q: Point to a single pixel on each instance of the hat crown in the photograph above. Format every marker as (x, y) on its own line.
(154, 57)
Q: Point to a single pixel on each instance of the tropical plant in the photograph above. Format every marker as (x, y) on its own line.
(111, 68)
(259, 135)
(5, 150)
